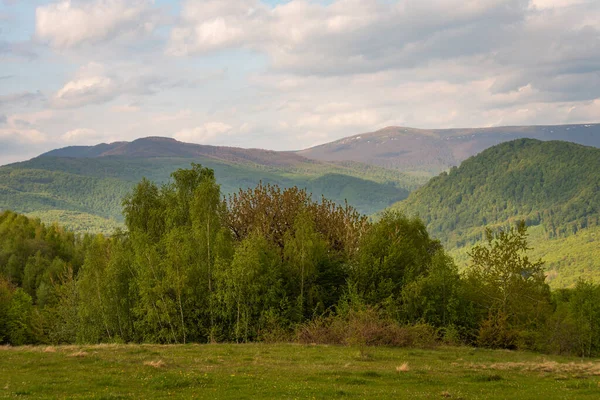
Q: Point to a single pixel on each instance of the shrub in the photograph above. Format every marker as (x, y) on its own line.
(366, 328)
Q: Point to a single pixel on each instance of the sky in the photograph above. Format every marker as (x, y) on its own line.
(287, 75)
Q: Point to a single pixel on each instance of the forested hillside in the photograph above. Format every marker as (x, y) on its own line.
(554, 185)
(272, 264)
(82, 187)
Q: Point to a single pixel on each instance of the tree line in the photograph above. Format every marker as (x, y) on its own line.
(273, 264)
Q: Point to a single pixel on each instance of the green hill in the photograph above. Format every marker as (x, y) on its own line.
(554, 186)
(82, 187)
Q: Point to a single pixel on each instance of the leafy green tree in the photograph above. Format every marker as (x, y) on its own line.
(394, 252)
(584, 312)
(435, 296)
(211, 241)
(19, 318)
(250, 287)
(144, 211)
(94, 310)
(305, 251)
(508, 289)
(62, 317)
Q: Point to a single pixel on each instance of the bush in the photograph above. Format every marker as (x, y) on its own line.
(366, 328)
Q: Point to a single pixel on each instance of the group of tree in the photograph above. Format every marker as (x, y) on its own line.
(264, 263)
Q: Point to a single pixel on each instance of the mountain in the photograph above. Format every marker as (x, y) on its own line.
(82, 186)
(554, 186)
(431, 151)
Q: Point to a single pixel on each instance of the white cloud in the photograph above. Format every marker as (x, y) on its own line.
(213, 24)
(81, 135)
(19, 98)
(205, 133)
(127, 108)
(23, 136)
(73, 23)
(541, 4)
(96, 83)
(86, 90)
(171, 117)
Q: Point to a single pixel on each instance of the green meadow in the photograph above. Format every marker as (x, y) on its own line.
(290, 371)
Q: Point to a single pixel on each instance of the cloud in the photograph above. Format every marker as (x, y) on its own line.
(127, 108)
(96, 83)
(22, 136)
(72, 23)
(19, 144)
(349, 37)
(205, 133)
(171, 117)
(91, 85)
(353, 35)
(20, 99)
(81, 135)
(300, 72)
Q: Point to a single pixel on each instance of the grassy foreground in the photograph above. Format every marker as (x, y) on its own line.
(290, 371)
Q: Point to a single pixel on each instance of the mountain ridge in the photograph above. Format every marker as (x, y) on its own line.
(156, 146)
(85, 184)
(431, 151)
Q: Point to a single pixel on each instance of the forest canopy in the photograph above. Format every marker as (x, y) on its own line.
(274, 264)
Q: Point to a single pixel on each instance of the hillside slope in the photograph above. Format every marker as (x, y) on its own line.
(429, 152)
(554, 186)
(82, 187)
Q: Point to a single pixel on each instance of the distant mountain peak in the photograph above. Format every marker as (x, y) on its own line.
(157, 146)
(430, 151)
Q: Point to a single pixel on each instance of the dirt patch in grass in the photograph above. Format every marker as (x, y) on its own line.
(79, 354)
(583, 369)
(403, 368)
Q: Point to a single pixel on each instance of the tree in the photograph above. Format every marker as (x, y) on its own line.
(584, 312)
(305, 250)
(394, 252)
(96, 319)
(434, 297)
(144, 211)
(6, 293)
(249, 288)
(210, 240)
(509, 290)
(19, 318)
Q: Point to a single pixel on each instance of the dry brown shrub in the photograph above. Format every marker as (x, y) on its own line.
(155, 364)
(403, 368)
(446, 394)
(323, 330)
(366, 328)
(49, 349)
(79, 354)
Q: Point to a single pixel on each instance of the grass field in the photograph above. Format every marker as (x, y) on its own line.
(289, 371)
